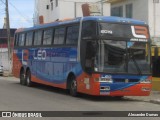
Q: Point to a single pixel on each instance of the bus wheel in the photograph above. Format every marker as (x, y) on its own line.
(22, 77)
(73, 87)
(28, 79)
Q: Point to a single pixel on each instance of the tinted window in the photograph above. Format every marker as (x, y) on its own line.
(123, 31)
(38, 37)
(72, 35)
(59, 36)
(129, 10)
(117, 11)
(21, 40)
(29, 37)
(89, 30)
(47, 37)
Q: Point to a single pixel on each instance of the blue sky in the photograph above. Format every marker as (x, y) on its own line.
(20, 12)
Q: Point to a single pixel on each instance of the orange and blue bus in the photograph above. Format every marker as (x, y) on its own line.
(94, 55)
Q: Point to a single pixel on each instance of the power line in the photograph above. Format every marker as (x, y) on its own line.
(15, 20)
(26, 18)
(2, 5)
(2, 8)
(3, 2)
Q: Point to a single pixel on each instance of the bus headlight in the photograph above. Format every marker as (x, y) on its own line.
(107, 80)
(146, 81)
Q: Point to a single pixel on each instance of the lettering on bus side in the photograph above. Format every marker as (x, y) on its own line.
(40, 55)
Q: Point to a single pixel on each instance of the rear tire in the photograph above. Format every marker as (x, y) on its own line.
(29, 83)
(73, 87)
(22, 78)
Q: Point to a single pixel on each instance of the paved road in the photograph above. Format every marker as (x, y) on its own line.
(15, 97)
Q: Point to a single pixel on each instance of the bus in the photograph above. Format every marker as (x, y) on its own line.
(94, 55)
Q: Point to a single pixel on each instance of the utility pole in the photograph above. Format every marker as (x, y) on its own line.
(102, 7)
(8, 37)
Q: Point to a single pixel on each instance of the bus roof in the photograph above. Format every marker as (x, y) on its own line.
(114, 19)
(88, 18)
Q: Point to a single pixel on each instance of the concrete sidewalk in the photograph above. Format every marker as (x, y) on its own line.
(153, 98)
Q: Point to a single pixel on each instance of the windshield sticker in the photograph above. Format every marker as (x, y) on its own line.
(106, 32)
(138, 40)
(130, 44)
(140, 32)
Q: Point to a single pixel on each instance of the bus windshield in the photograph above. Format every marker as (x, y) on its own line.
(120, 48)
(122, 57)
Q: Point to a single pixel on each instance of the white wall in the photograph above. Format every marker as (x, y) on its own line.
(140, 8)
(40, 10)
(53, 14)
(4, 58)
(106, 9)
(70, 9)
(154, 18)
(67, 10)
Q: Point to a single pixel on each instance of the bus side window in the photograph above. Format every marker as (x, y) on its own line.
(21, 39)
(72, 35)
(59, 36)
(29, 39)
(47, 37)
(38, 37)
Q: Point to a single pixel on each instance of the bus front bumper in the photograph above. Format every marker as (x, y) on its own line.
(119, 89)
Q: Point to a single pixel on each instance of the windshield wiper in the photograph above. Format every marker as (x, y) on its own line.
(131, 56)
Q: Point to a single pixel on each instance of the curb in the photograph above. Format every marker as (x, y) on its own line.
(8, 78)
(155, 92)
(155, 101)
(7, 74)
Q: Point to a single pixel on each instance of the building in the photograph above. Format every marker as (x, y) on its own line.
(51, 10)
(4, 47)
(146, 10)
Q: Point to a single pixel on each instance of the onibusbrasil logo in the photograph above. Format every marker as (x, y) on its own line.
(21, 114)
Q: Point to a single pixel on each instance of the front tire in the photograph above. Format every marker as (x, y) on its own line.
(73, 87)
